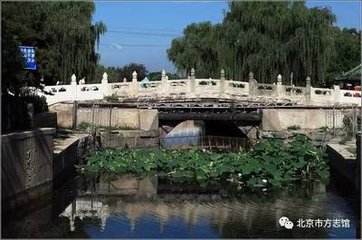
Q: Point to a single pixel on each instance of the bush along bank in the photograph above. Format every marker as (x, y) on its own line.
(270, 163)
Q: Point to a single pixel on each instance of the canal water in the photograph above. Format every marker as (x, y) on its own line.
(321, 211)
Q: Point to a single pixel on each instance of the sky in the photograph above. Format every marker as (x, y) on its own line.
(141, 32)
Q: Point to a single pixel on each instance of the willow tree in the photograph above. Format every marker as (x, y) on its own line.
(196, 49)
(267, 39)
(74, 40)
(63, 34)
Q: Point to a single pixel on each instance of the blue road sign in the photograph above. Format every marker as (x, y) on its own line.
(29, 57)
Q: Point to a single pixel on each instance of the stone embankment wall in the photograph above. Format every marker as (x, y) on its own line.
(64, 113)
(132, 118)
(69, 152)
(27, 164)
(281, 119)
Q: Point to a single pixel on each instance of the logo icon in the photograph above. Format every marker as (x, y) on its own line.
(285, 222)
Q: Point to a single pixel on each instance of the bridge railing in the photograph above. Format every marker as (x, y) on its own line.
(176, 88)
(237, 88)
(202, 88)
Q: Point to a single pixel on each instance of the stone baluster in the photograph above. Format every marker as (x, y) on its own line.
(74, 87)
(308, 90)
(105, 86)
(73, 80)
(279, 91)
(124, 79)
(164, 83)
(222, 82)
(337, 93)
(105, 78)
(251, 84)
(193, 82)
(134, 84)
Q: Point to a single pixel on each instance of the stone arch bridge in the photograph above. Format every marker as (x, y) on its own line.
(197, 90)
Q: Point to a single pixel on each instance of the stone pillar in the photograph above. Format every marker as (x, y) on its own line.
(279, 86)
(336, 93)
(74, 89)
(193, 82)
(308, 90)
(251, 84)
(105, 87)
(124, 79)
(164, 83)
(134, 84)
(73, 80)
(105, 78)
(222, 82)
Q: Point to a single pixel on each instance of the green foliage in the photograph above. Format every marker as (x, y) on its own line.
(347, 128)
(14, 114)
(294, 127)
(39, 102)
(156, 76)
(269, 163)
(116, 74)
(87, 127)
(346, 52)
(62, 32)
(112, 72)
(195, 50)
(127, 71)
(111, 98)
(268, 39)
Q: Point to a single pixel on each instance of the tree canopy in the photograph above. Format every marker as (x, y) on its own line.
(63, 34)
(268, 39)
(117, 74)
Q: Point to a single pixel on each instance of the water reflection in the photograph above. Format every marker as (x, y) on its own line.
(251, 215)
(207, 216)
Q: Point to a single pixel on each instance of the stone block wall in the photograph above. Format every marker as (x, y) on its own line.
(143, 119)
(27, 163)
(64, 113)
(281, 119)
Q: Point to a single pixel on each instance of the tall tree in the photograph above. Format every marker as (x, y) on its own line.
(267, 39)
(63, 34)
(127, 71)
(346, 53)
(195, 50)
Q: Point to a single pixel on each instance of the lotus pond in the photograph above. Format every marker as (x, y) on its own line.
(270, 163)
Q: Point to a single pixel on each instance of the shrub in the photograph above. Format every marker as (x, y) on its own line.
(294, 127)
(111, 98)
(39, 102)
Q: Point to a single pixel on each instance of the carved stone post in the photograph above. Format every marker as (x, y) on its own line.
(105, 86)
(105, 78)
(164, 83)
(279, 85)
(193, 82)
(251, 84)
(222, 82)
(336, 93)
(134, 84)
(73, 80)
(74, 87)
(308, 90)
(124, 79)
